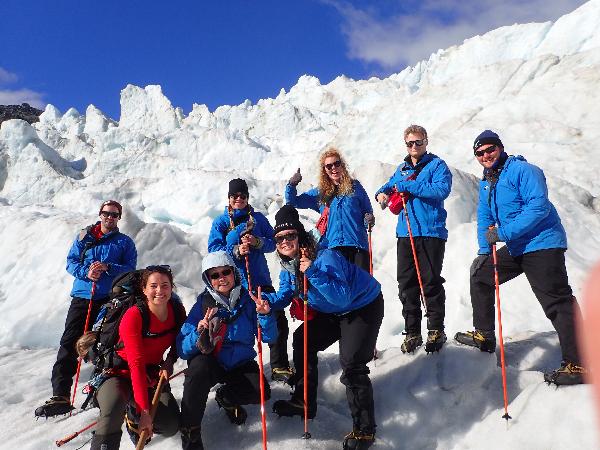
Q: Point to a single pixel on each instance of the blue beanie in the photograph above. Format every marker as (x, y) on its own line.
(487, 137)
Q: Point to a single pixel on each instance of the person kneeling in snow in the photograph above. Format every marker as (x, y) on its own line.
(347, 306)
(217, 339)
(514, 208)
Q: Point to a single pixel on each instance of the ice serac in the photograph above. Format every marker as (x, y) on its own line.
(147, 110)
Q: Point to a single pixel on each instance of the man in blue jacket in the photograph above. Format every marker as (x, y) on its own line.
(99, 253)
(426, 181)
(514, 208)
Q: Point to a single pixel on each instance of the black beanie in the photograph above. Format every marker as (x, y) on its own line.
(287, 218)
(487, 137)
(237, 185)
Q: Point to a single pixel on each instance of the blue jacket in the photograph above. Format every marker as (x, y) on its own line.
(222, 238)
(334, 285)
(427, 194)
(518, 204)
(345, 226)
(115, 249)
(238, 342)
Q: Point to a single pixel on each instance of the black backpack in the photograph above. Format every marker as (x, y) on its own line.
(125, 293)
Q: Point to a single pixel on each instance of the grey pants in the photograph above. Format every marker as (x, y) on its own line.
(113, 397)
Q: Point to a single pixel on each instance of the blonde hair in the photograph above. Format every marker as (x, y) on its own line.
(415, 129)
(327, 189)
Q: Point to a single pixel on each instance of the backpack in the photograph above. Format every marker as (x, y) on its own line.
(125, 293)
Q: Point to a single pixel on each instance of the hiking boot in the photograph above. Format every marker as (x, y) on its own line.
(291, 408)
(568, 374)
(412, 341)
(236, 413)
(132, 420)
(483, 340)
(282, 374)
(191, 438)
(358, 440)
(435, 340)
(57, 405)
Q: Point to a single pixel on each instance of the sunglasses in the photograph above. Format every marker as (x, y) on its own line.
(160, 268)
(335, 164)
(112, 214)
(290, 237)
(217, 275)
(239, 195)
(479, 153)
(418, 143)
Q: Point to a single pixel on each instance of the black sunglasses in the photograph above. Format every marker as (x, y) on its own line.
(217, 275)
(479, 153)
(161, 268)
(335, 164)
(290, 237)
(239, 195)
(418, 143)
(112, 214)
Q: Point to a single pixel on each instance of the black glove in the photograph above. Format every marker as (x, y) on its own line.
(296, 179)
(369, 220)
(478, 263)
(209, 337)
(492, 236)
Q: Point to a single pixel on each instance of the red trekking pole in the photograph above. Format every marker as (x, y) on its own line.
(306, 434)
(263, 415)
(414, 252)
(85, 327)
(503, 365)
(369, 229)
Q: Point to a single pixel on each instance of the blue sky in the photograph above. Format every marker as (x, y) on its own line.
(81, 52)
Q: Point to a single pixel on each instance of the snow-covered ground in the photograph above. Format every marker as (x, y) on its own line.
(535, 84)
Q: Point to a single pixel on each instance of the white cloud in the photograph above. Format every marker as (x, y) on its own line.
(7, 77)
(19, 95)
(392, 42)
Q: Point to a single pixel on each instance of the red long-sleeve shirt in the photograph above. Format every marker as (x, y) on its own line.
(141, 351)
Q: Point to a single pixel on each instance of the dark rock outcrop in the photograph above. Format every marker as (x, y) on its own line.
(24, 112)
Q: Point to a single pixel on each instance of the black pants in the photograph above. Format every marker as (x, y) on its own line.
(242, 386)
(278, 349)
(547, 274)
(66, 359)
(357, 333)
(356, 256)
(430, 255)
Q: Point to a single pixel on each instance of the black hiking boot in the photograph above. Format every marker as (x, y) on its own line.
(191, 438)
(282, 374)
(567, 375)
(56, 406)
(358, 440)
(483, 340)
(132, 420)
(412, 341)
(291, 408)
(236, 413)
(435, 341)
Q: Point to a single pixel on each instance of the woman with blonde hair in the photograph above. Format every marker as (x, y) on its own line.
(344, 205)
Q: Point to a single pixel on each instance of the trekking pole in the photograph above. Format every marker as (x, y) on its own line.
(263, 415)
(502, 364)
(260, 361)
(74, 435)
(369, 229)
(306, 434)
(142, 440)
(414, 252)
(85, 327)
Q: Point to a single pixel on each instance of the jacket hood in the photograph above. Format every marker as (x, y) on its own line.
(219, 259)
